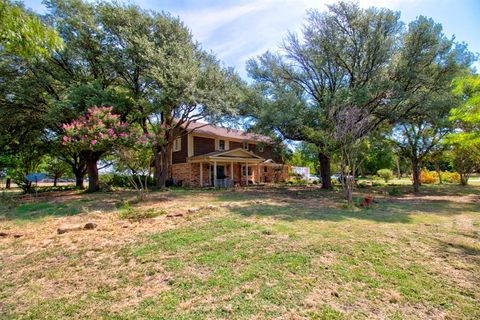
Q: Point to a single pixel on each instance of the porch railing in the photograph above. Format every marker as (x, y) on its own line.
(224, 183)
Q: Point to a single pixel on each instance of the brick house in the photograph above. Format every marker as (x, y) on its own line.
(207, 155)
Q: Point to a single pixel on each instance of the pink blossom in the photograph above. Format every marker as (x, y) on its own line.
(93, 142)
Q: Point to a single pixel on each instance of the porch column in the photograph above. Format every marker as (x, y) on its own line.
(215, 173)
(246, 171)
(201, 174)
(258, 174)
(231, 173)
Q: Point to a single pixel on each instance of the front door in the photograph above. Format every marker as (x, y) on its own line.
(220, 172)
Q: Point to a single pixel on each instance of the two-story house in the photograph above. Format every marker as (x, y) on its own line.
(207, 155)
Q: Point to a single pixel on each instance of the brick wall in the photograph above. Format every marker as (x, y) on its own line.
(195, 167)
(276, 174)
(181, 172)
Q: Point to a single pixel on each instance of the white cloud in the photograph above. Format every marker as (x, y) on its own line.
(205, 21)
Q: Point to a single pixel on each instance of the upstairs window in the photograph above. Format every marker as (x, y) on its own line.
(221, 145)
(245, 145)
(177, 145)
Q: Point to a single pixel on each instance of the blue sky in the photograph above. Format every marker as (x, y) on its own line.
(239, 30)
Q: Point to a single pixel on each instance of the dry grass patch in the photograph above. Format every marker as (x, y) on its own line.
(265, 254)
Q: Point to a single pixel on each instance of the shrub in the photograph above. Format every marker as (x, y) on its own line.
(138, 214)
(385, 174)
(120, 180)
(450, 177)
(57, 188)
(394, 192)
(428, 177)
(297, 182)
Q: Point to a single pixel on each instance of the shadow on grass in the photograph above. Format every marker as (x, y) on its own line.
(55, 204)
(449, 189)
(460, 250)
(383, 212)
(38, 210)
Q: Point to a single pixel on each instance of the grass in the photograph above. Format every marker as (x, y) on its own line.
(267, 253)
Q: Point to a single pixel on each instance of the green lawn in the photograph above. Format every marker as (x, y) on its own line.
(273, 253)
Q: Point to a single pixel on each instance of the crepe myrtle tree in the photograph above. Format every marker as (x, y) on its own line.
(95, 134)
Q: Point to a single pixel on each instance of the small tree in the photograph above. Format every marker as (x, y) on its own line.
(385, 174)
(136, 162)
(465, 163)
(465, 141)
(56, 168)
(95, 134)
(351, 125)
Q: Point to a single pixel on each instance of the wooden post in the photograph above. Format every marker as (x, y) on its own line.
(215, 173)
(231, 173)
(258, 174)
(246, 171)
(201, 174)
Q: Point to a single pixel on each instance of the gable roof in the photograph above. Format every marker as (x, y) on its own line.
(238, 154)
(216, 131)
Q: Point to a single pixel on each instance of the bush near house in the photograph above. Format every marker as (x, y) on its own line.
(428, 177)
(385, 174)
(450, 177)
(431, 177)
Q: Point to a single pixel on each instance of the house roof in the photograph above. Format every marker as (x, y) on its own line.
(227, 155)
(211, 130)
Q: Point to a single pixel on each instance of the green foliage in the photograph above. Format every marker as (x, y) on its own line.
(56, 167)
(23, 34)
(138, 214)
(467, 115)
(450, 177)
(465, 141)
(377, 153)
(385, 174)
(305, 155)
(116, 180)
(395, 192)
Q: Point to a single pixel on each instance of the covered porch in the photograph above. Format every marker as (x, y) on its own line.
(227, 168)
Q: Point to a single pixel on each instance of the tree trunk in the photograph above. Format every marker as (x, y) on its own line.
(165, 165)
(79, 169)
(8, 183)
(325, 174)
(349, 194)
(463, 179)
(158, 167)
(362, 172)
(416, 174)
(92, 169)
(79, 179)
(55, 181)
(399, 173)
(439, 173)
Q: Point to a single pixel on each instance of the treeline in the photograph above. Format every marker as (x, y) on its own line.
(354, 78)
(112, 82)
(143, 64)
